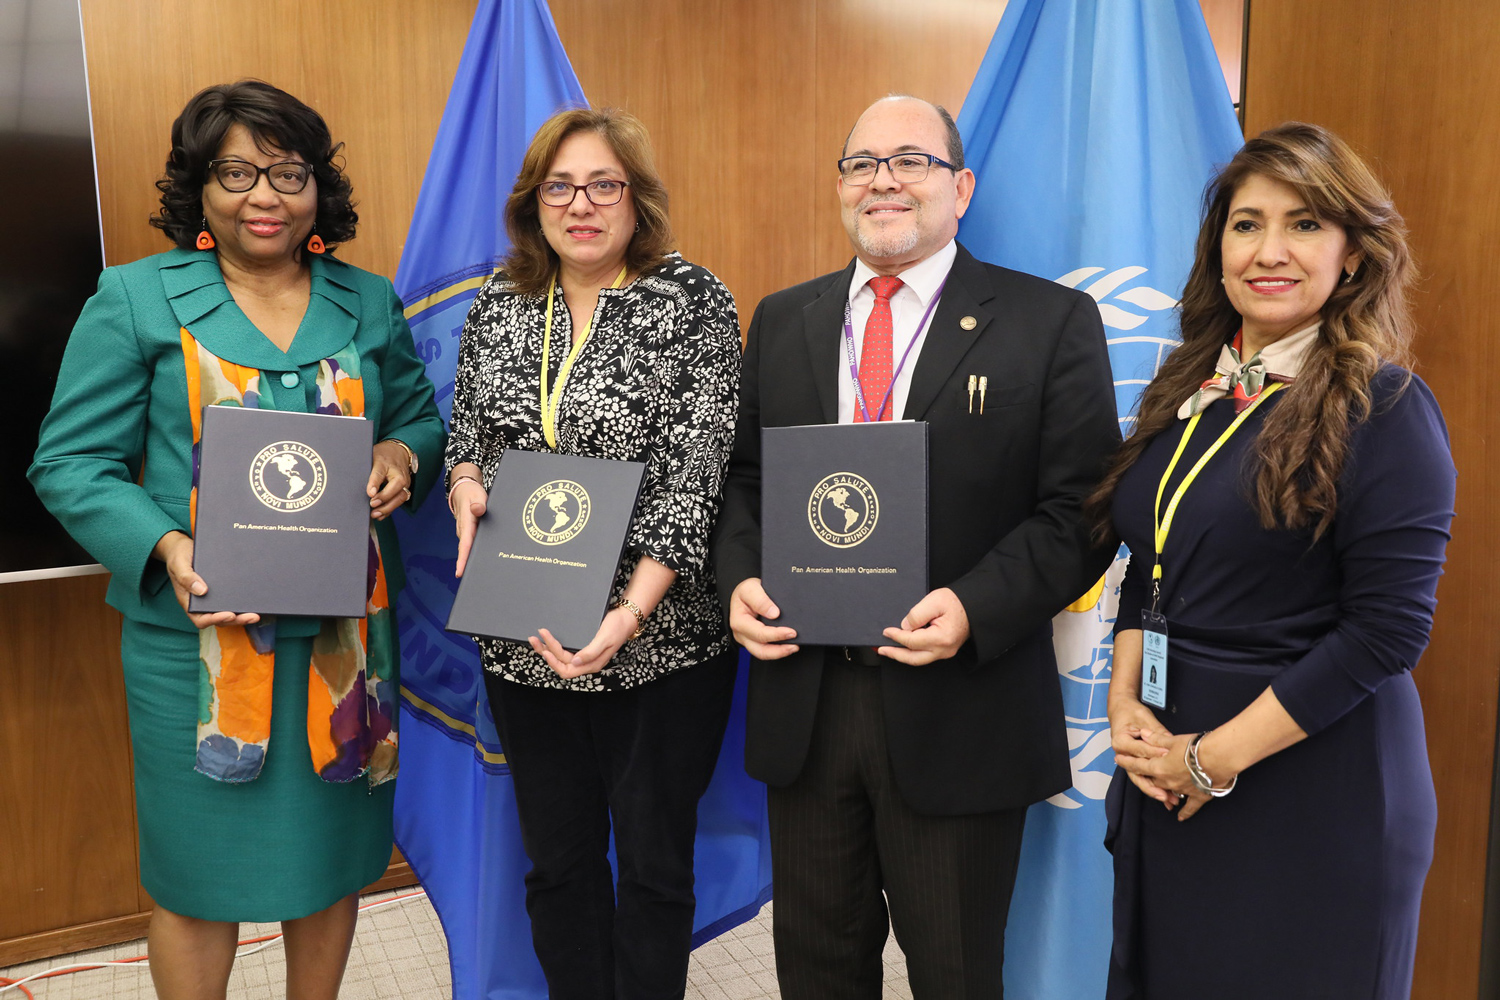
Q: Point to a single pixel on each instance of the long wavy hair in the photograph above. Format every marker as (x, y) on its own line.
(1300, 450)
(532, 261)
(275, 120)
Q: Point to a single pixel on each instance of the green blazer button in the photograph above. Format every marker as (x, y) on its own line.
(290, 379)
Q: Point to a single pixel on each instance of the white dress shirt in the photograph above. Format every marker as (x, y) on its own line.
(919, 283)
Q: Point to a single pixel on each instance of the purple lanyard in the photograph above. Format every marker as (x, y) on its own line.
(859, 392)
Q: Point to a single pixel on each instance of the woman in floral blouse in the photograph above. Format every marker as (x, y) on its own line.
(643, 354)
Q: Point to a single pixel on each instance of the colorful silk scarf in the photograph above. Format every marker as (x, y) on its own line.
(1278, 362)
(350, 694)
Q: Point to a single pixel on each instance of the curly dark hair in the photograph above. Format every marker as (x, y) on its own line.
(274, 119)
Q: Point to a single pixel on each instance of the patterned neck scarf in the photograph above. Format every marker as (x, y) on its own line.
(350, 696)
(1244, 380)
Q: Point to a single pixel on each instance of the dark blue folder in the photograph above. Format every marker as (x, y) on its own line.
(283, 518)
(844, 528)
(547, 548)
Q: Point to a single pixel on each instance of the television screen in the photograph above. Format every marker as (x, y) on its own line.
(50, 258)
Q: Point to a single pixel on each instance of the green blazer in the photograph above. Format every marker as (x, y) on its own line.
(114, 460)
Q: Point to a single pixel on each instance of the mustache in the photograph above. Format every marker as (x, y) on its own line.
(873, 199)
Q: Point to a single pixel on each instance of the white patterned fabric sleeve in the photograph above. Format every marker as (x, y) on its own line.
(685, 470)
(463, 432)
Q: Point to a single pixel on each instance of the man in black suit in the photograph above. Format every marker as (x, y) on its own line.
(902, 774)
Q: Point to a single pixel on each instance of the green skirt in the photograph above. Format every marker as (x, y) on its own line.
(283, 846)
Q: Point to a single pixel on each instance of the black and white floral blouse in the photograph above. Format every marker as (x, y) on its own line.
(656, 382)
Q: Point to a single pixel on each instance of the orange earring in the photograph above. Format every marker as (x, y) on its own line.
(316, 243)
(205, 238)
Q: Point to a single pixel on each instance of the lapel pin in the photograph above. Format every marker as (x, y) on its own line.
(984, 383)
(968, 322)
(973, 381)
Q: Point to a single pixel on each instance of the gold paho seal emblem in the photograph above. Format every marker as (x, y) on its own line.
(556, 512)
(288, 476)
(843, 509)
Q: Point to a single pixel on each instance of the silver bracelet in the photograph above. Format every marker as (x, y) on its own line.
(1200, 777)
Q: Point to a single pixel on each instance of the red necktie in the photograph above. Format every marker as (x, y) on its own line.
(876, 364)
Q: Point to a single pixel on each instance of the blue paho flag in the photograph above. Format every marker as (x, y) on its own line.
(1092, 126)
(455, 809)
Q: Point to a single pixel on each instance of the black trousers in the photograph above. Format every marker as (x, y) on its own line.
(844, 845)
(641, 757)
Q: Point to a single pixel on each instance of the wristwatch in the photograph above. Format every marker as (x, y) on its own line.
(411, 456)
(635, 609)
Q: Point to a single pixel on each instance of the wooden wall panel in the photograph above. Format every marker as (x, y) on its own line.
(721, 87)
(377, 70)
(1414, 87)
(866, 51)
(68, 826)
(1226, 26)
(748, 103)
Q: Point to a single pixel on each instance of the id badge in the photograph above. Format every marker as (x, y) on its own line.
(1153, 658)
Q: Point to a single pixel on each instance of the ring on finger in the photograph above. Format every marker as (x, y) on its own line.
(407, 491)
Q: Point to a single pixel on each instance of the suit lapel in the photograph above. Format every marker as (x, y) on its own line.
(823, 328)
(964, 296)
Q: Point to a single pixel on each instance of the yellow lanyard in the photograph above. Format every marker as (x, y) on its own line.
(1164, 525)
(549, 404)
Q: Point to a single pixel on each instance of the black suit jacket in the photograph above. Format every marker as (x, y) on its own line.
(984, 730)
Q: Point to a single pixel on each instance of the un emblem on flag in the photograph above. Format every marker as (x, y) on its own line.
(288, 476)
(843, 509)
(556, 512)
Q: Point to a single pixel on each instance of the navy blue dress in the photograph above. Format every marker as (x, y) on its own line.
(1305, 882)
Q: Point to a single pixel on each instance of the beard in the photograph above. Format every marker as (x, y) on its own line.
(876, 241)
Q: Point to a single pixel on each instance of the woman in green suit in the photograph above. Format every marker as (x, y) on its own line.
(245, 813)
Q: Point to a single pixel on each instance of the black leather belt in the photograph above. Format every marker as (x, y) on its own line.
(862, 655)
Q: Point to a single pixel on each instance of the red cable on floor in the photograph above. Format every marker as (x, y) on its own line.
(19, 984)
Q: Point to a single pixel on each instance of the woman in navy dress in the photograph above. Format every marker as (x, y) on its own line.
(1272, 818)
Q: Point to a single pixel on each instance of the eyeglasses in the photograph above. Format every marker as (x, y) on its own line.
(237, 176)
(907, 168)
(603, 192)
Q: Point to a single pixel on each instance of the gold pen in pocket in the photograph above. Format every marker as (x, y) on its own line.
(984, 383)
(973, 381)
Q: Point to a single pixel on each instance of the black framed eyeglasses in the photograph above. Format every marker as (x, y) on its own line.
(908, 168)
(603, 192)
(238, 176)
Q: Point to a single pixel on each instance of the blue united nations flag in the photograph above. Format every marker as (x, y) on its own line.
(1092, 126)
(455, 809)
